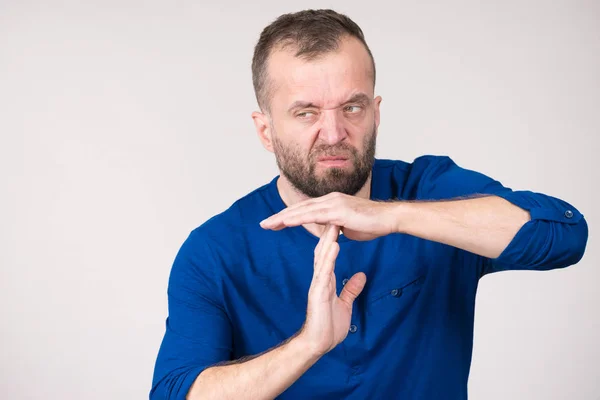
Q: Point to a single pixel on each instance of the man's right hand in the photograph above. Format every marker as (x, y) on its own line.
(327, 315)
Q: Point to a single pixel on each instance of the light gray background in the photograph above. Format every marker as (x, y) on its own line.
(124, 125)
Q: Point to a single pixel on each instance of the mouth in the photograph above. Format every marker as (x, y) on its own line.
(332, 158)
(333, 161)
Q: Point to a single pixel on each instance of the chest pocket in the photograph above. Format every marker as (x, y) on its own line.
(393, 301)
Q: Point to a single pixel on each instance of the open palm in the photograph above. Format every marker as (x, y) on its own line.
(327, 315)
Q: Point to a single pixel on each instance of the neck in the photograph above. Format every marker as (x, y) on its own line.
(290, 196)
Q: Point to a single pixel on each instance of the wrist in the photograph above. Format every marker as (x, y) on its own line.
(305, 347)
(400, 212)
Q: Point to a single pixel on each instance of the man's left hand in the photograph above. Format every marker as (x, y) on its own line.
(358, 218)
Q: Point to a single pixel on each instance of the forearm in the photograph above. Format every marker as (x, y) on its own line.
(483, 225)
(262, 377)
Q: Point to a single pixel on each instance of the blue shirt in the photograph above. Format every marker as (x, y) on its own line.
(237, 290)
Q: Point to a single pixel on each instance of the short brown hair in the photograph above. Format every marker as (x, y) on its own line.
(312, 33)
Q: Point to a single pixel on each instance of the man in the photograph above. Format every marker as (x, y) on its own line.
(254, 310)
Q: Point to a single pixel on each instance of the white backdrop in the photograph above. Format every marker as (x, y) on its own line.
(124, 125)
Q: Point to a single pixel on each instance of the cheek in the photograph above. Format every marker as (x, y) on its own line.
(359, 130)
(300, 134)
(361, 122)
(290, 146)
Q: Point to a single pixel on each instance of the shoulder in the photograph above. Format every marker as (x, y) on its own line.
(230, 228)
(419, 165)
(410, 179)
(440, 177)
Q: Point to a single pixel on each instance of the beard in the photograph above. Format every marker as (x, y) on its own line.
(300, 170)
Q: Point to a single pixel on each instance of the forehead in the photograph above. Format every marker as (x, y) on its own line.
(326, 81)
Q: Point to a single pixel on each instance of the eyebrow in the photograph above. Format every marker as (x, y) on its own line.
(361, 98)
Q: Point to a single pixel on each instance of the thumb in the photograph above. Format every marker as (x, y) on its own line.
(353, 287)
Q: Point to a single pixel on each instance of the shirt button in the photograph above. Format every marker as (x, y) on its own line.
(396, 293)
(353, 328)
(345, 281)
(569, 214)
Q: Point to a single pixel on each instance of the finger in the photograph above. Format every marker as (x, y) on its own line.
(307, 205)
(328, 237)
(276, 217)
(331, 233)
(316, 215)
(318, 248)
(352, 288)
(319, 252)
(329, 261)
(321, 215)
(324, 218)
(330, 252)
(278, 220)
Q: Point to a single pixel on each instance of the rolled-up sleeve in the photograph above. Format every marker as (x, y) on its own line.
(555, 237)
(198, 332)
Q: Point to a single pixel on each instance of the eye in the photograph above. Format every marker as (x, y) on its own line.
(305, 114)
(352, 109)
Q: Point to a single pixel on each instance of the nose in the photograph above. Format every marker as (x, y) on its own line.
(332, 128)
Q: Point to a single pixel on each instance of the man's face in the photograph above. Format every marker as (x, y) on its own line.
(324, 119)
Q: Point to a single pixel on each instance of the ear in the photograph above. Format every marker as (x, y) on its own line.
(263, 129)
(376, 103)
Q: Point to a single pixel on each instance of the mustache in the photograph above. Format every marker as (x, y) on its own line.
(341, 150)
